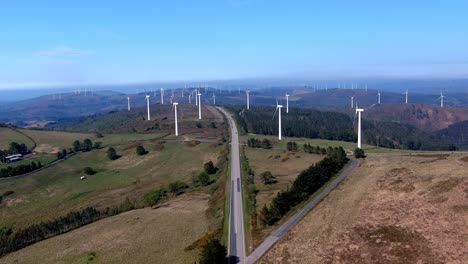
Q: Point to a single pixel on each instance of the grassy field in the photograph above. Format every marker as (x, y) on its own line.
(8, 135)
(57, 190)
(391, 209)
(139, 236)
(283, 164)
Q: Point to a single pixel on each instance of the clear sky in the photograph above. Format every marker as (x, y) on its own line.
(87, 42)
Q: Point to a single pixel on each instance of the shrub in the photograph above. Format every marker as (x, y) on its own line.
(177, 187)
(210, 168)
(140, 150)
(213, 252)
(112, 154)
(89, 171)
(199, 125)
(204, 178)
(359, 153)
(153, 197)
(268, 178)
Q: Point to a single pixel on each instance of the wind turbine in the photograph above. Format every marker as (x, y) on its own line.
(148, 107)
(128, 103)
(171, 98)
(378, 97)
(358, 113)
(162, 95)
(287, 103)
(406, 96)
(174, 105)
(441, 99)
(352, 101)
(196, 96)
(214, 99)
(248, 99)
(190, 98)
(278, 106)
(199, 106)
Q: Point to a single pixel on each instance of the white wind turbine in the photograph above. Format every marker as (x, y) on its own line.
(199, 105)
(148, 107)
(171, 98)
(248, 99)
(190, 98)
(352, 101)
(162, 95)
(378, 97)
(128, 103)
(406, 96)
(287, 103)
(214, 99)
(174, 105)
(196, 96)
(278, 108)
(358, 113)
(441, 99)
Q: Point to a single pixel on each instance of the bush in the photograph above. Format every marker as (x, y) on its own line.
(89, 171)
(359, 153)
(112, 154)
(210, 168)
(199, 125)
(213, 252)
(204, 178)
(268, 178)
(154, 196)
(140, 150)
(292, 146)
(177, 187)
(76, 145)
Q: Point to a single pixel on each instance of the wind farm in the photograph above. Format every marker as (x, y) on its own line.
(233, 132)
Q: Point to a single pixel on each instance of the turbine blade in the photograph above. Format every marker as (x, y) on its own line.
(274, 113)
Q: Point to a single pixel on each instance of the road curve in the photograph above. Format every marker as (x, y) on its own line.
(275, 236)
(236, 247)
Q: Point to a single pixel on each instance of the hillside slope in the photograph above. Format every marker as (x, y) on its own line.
(425, 117)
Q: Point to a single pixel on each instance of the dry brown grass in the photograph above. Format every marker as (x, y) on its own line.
(392, 209)
(139, 236)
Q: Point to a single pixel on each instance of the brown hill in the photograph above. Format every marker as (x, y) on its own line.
(426, 117)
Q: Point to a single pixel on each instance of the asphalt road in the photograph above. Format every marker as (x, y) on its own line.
(271, 240)
(236, 247)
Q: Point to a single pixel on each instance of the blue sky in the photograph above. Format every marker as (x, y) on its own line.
(96, 42)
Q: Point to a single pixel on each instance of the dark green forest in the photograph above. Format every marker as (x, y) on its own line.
(310, 123)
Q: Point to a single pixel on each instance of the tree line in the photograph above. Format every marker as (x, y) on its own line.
(307, 183)
(258, 143)
(20, 169)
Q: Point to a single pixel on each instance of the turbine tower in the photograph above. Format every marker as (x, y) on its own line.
(128, 103)
(199, 106)
(406, 96)
(162, 95)
(190, 98)
(214, 99)
(147, 106)
(358, 112)
(278, 108)
(196, 96)
(352, 101)
(174, 105)
(378, 97)
(248, 99)
(441, 99)
(287, 103)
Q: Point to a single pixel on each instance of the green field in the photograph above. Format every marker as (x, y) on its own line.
(8, 135)
(57, 190)
(139, 236)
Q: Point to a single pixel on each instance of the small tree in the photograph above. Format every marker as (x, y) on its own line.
(140, 150)
(89, 171)
(97, 145)
(210, 168)
(76, 145)
(177, 187)
(268, 178)
(213, 252)
(359, 153)
(87, 145)
(112, 154)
